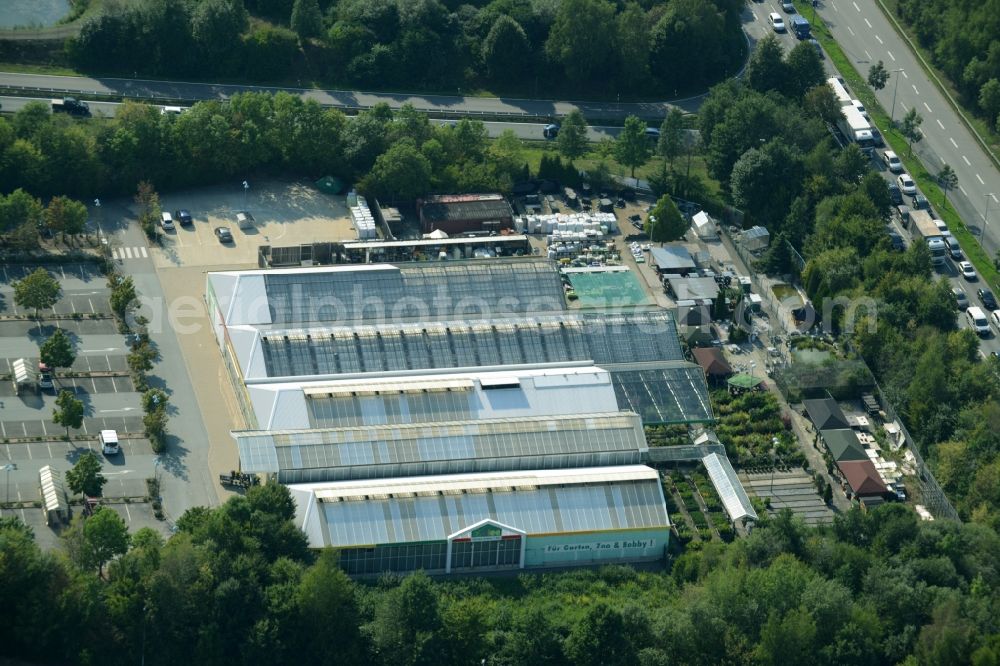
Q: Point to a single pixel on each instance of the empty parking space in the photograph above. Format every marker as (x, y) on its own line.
(72, 276)
(57, 449)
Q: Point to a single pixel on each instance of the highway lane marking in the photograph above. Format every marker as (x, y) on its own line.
(953, 142)
(856, 6)
(915, 89)
(967, 163)
(891, 56)
(980, 179)
(962, 190)
(879, 39)
(940, 124)
(868, 24)
(928, 108)
(869, 55)
(851, 31)
(905, 75)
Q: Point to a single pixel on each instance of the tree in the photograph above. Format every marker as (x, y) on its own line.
(581, 39)
(989, 100)
(401, 173)
(632, 45)
(572, 138)
(37, 290)
(154, 400)
(599, 639)
(406, 621)
(215, 25)
(822, 103)
(328, 612)
(878, 76)
(803, 70)
(65, 216)
(58, 351)
(307, 21)
(632, 145)
(766, 69)
(68, 411)
(665, 222)
(671, 136)
(155, 425)
(105, 536)
(141, 358)
(85, 477)
(506, 49)
(910, 128)
(948, 180)
(123, 295)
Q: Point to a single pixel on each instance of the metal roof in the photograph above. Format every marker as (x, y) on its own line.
(727, 484)
(368, 513)
(625, 337)
(53, 491)
(461, 446)
(672, 258)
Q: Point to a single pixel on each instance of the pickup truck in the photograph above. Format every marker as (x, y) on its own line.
(73, 107)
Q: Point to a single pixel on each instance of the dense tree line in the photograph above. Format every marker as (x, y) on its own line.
(600, 46)
(236, 585)
(962, 40)
(766, 144)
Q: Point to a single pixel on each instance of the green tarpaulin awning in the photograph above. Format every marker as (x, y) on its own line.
(743, 381)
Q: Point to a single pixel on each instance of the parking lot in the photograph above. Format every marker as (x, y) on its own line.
(285, 214)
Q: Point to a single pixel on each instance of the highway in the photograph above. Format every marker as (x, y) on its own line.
(525, 131)
(867, 36)
(151, 90)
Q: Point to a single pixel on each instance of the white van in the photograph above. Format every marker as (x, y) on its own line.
(166, 221)
(109, 442)
(954, 249)
(977, 321)
(892, 162)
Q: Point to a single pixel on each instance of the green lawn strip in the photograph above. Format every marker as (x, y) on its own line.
(924, 179)
(941, 81)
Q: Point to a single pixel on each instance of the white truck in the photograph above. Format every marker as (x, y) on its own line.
(925, 227)
(855, 128)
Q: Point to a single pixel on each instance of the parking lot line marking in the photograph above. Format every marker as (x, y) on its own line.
(114, 384)
(142, 250)
(73, 305)
(83, 275)
(24, 429)
(979, 178)
(967, 162)
(928, 108)
(63, 272)
(4, 435)
(49, 446)
(44, 429)
(868, 23)
(953, 142)
(92, 309)
(128, 513)
(879, 39)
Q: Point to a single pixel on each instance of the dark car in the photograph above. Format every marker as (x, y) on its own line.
(224, 234)
(896, 241)
(551, 131)
(183, 217)
(895, 195)
(920, 202)
(987, 299)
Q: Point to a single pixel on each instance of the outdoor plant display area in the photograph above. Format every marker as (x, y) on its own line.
(751, 425)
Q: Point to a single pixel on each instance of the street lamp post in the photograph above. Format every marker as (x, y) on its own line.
(246, 186)
(8, 468)
(895, 87)
(774, 455)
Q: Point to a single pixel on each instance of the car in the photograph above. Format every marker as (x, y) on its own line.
(995, 318)
(166, 221)
(816, 45)
(860, 107)
(968, 270)
(954, 248)
(224, 234)
(895, 195)
(877, 137)
(896, 241)
(636, 220)
(108, 439)
(183, 217)
(920, 202)
(986, 298)
(943, 228)
(172, 110)
(906, 184)
(961, 300)
(978, 321)
(551, 131)
(892, 162)
(652, 133)
(788, 7)
(777, 23)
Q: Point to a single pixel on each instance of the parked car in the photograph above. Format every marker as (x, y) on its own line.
(895, 195)
(777, 23)
(892, 161)
(961, 300)
(108, 439)
(986, 298)
(224, 234)
(968, 270)
(183, 217)
(906, 184)
(166, 221)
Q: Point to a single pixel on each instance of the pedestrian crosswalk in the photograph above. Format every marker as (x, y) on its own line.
(130, 252)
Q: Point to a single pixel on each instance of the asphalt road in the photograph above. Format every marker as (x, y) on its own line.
(471, 106)
(526, 131)
(866, 36)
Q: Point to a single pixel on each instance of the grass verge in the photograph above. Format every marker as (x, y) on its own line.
(925, 179)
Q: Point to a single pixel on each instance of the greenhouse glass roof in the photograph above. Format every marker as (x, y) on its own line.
(727, 484)
(662, 393)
